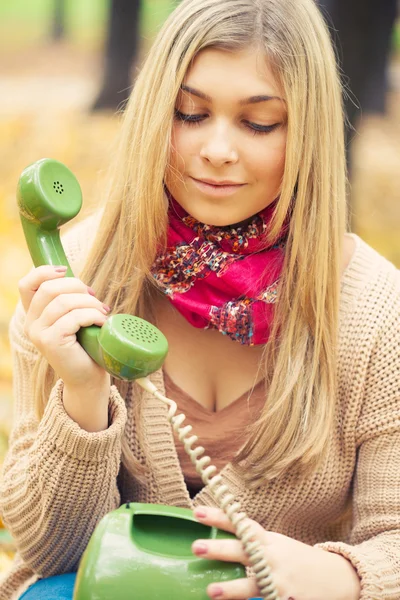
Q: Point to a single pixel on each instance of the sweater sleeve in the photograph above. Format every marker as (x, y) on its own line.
(374, 544)
(58, 480)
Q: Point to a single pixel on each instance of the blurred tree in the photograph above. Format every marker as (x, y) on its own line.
(122, 45)
(58, 25)
(362, 31)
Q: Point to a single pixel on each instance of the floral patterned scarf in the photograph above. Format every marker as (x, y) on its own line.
(225, 278)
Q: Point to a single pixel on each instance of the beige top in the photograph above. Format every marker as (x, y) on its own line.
(58, 480)
(221, 433)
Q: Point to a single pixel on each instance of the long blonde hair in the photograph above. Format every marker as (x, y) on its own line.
(300, 359)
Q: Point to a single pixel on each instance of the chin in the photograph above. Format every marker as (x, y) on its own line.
(211, 217)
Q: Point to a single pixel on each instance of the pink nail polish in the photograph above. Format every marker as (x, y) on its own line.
(106, 308)
(217, 592)
(91, 291)
(60, 269)
(200, 513)
(200, 549)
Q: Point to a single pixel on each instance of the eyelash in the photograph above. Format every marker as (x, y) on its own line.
(253, 127)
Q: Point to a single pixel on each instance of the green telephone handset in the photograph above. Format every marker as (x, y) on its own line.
(49, 196)
(156, 538)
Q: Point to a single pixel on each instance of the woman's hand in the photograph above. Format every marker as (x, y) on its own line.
(299, 571)
(56, 308)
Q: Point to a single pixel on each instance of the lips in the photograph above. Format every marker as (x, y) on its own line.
(216, 190)
(217, 183)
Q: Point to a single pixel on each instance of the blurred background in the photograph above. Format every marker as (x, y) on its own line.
(66, 69)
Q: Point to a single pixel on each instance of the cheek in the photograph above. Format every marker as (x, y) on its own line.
(182, 147)
(270, 164)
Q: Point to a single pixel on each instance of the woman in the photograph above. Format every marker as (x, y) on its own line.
(225, 215)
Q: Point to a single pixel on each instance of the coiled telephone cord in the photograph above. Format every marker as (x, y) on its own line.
(224, 498)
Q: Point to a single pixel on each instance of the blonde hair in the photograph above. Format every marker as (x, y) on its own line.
(300, 359)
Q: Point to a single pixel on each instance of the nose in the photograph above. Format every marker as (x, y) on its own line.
(218, 148)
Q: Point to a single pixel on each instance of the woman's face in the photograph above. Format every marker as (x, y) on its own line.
(229, 138)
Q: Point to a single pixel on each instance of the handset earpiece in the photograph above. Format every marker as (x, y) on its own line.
(49, 196)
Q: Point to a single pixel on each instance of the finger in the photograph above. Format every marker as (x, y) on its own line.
(63, 332)
(29, 285)
(52, 288)
(237, 589)
(70, 323)
(227, 550)
(215, 517)
(64, 303)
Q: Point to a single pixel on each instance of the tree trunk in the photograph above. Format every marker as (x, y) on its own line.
(123, 37)
(361, 30)
(58, 24)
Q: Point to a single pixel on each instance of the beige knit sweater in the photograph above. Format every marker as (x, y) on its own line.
(58, 481)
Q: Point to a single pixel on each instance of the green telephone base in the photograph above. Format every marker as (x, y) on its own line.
(143, 552)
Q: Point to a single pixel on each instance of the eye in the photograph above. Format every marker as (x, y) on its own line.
(189, 119)
(254, 128)
(260, 129)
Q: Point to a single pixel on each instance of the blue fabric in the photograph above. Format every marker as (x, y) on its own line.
(59, 587)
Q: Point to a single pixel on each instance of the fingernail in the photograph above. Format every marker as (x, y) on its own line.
(106, 308)
(200, 513)
(60, 269)
(199, 548)
(91, 291)
(216, 592)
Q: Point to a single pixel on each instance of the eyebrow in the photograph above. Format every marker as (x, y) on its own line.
(251, 100)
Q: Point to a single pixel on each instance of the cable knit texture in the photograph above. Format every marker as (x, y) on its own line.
(58, 480)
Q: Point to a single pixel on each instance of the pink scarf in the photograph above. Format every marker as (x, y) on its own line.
(224, 278)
